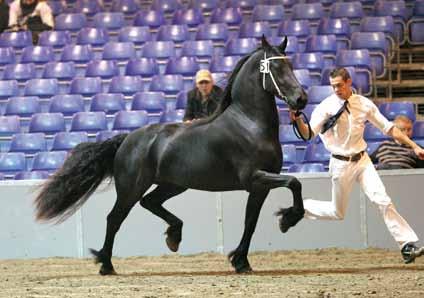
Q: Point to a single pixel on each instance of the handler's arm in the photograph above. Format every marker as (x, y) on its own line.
(303, 128)
(399, 136)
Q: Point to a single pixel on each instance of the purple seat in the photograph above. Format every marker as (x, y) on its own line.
(325, 44)
(127, 7)
(56, 39)
(150, 18)
(89, 121)
(172, 116)
(221, 78)
(57, 7)
(92, 36)
(204, 5)
(59, 70)
(8, 88)
(186, 66)
(255, 29)
(198, 48)
(245, 5)
(19, 72)
(144, 67)
(167, 6)
(181, 102)
(108, 103)
(102, 68)
(340, 27)
(65, 141)
(109, 20)
(130, 120)
(48, 123)
(351, 10)
(418, 130)
(41, 87)
(31, 175)
(77, 53)
(37, 54)
(217, 32)
(304, 77)
(289, 154)
(316, 153)
(151, 102)
(175, 33)
(12, 162)
(307, 168)
(223, 63)
(23, 106)
(134, 34)
(308, 11)
(20, 39)
(372, 146)
(240, 46)
(7, 56)
(299, 28)
(127, 85)
(88, 7)
(392, 109)
(158, 49)
(314, 62)
(378, 24)
(119, 51)
(106, 134)
(231, 16)
(86, 86)
(287, 135)
(67, 104)
(169, 84)
(28, 143)
(415, 25)
(9, 125)
(397, 10)
(272, 14)
(48, 161)
(191, 17)
(70, 22)
(317, 93)
(371, 133)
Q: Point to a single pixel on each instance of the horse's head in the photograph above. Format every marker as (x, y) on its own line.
(278, 77)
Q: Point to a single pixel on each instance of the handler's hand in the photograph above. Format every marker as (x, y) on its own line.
(293, 116)
(419, 152)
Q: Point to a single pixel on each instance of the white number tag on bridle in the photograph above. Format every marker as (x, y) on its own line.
(264, 66)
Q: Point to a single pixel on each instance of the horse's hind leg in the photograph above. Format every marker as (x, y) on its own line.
(153, 202)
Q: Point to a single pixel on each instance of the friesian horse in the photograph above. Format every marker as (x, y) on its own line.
(236, 148)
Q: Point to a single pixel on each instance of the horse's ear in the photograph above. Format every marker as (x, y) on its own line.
(265, 43)
(283, 45)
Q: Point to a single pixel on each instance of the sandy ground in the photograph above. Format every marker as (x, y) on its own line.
(312, 273)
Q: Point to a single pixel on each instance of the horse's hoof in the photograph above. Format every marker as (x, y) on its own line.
(172, 245)
(107, 271)
(289, 218)
(173, 238)
(244, 270)
(240, 265)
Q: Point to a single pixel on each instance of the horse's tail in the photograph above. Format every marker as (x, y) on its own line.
(71, 186)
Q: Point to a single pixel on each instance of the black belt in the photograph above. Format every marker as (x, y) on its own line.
(354, 157)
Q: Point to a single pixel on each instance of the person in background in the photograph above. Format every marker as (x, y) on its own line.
(392, 154)
(203, 100)
(33, 15)
(4, 15)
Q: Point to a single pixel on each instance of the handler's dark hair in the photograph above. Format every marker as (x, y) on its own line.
(340, 71)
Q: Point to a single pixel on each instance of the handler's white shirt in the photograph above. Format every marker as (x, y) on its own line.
(346, 136)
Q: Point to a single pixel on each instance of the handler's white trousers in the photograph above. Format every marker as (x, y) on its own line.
(343, 175)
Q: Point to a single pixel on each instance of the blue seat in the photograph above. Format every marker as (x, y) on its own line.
(135, 34)
(272, 14)
(86, 86)
(144, 67)
(181, 101)
(397, 10)
(309, 109)
(9, 125)
(106, 134)
(150, 18)
(31, 175)
(119, 51)
(175, 33)
(19, 39)
(77, 53)
(88, 7)
(304, 77)
(151, 102)
(317, 93)
(380, 24)
(67, 104)
(7, 56)
(23, 106)
(19, 72)
(198, 48)
(102, 68)
(167, 6)
(186, 66)
(223, 63)
(371, 133)
(231, 16)
(8, 88)
(57, 7)
(109, 20)
(48, 161)
(221, 78)
(59, 70)
(172, 116)
(245, 5)
(48, 123)
(289, 154)
(127, 7)
(11, 163)
(314, 62)
(372, 146)
(169, 84)
(350, 10)
(240, 46)
(418, 130)
(204, 5)
(415, 25)
(307, 168)
(90, 122)
(28, 143)
(127, 85)
(299, 28)
(326, 44)
(37, 54)
(56, 39)
(283, 113)
(392, 109)
(191, 17)
(130, 120)
(108, 103)
(287, 135)
(42, 88)
(308, 11)
(158, 49)
(95, 37)
(217, 32)
(70, 22)
(340, 27)
(65, 141)
(316, 153)
(254, 29)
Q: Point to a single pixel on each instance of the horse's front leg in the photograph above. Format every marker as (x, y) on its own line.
(238, 257)
(292, 215)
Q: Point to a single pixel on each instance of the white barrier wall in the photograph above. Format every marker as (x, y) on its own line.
(212, 221)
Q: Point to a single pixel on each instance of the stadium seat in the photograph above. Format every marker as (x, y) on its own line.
(217, 32)
(109, 20)
(240, 46)
(254, 29)
(90, 122)
(70, 22)
(56, 39)
(127, 85)
(287, 135)
(244, 5)
(204, 5)
(28, 143)
(108, 103)
(57, 7)
(42, 88)
(392, 109)
(67, 104)
(191, 17)
(151, 102)
(7, 55)
(299, 28)
(169, 84)
(77, 53)
(314, 62)
(181, 101)
(59, 70)
(340, 27)
(380, 24)
(65, 141)
(19, 71)
(353, 11)
(415, 25)
(37, 54)
(175, 33)
(106, 134)
(397, 10)
(119, 51)
(87, 7)
(283, 113)
(85, 86)
(48, 161)
(144, 67)
(8, 88)
(231, 16)
(135, 34)
(48, 123)
(31, 175)
(150, 18)
(317, 93)
(325, 44)
(167, 6)
(128, 7)
(95, 37)
(9, 125)
(104, 69)
(418, 130)
(172, 116)
(307, 168)
(272, 14)
(185, 66)
(130, 120)
(372, 146)
(198, 48)
(371, 133)
(312, 12)
(11, 163)
(289, 154)
(304, 77)
(221, 78)
(19, 39)
(158, 49)
(23, 106)
(316, 153)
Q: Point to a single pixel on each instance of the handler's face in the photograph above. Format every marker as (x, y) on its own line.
(342, 88)
(405, 127)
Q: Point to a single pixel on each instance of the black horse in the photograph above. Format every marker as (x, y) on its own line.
(236, 148)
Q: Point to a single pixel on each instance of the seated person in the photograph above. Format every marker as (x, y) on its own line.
(203, 100)
(4, 15)
(33, 15)
(394, 155)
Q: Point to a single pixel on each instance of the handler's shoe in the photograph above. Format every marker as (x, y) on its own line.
(410, 252)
